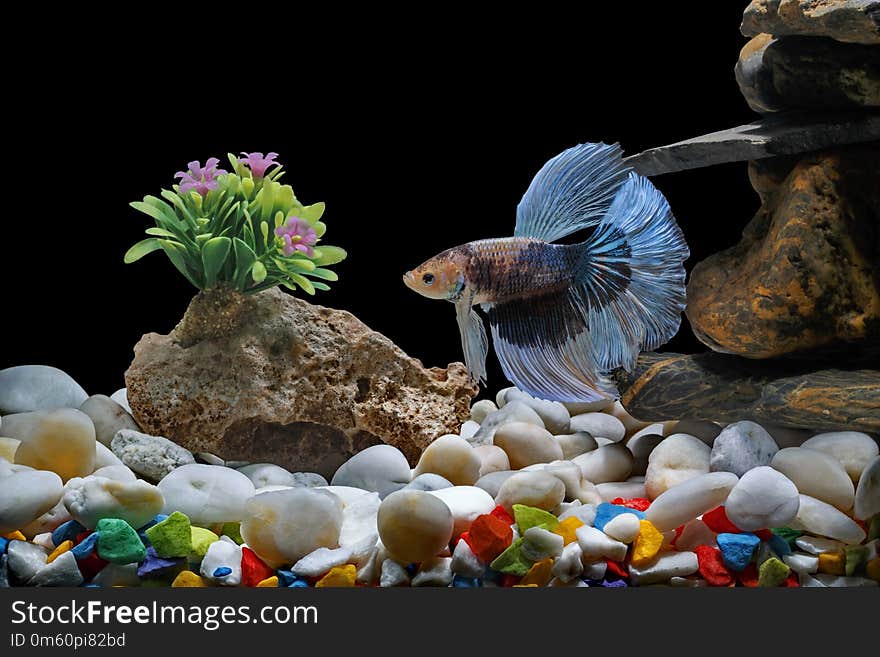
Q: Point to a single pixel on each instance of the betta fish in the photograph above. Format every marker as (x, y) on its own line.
(564, 315)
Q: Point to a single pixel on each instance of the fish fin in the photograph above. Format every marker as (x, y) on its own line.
(543, 345)
(572, 191)
(626, 295)
(632, 276)
(474, 342)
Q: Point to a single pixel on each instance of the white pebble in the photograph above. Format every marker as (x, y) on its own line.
(414, 525)
(429, 482)
(594, 569)
(867, 498)
(465, 503)
(695, 533)
(121, 398)
(741, 447)
(469, 429)
(575, 444)
(586, 513)
(434, 572)
(818, 517)
(625, 489)
(515, 411)
(481, 409)
(623, 528)
(393, 574)
(27, 495)
(577, 487)
(595, 543)
(62, 441)
(492, 459)
(321, 560)
(553, 414)
(852, 449)
(206, 493)
(569, 566)
(465, 562)
(108, 417)
(538, 489)
(89, 499)
(224, 553)
(690, 499)
(381, 468)
(526, 444)
(801, 563)
(599, 425)
(267, 474)
(664, 567)
(38, 387)
(675, 460)
(608, 463)
(817, 544)
(451, 457)
(816, 474)
(539, 544)
(762, 498)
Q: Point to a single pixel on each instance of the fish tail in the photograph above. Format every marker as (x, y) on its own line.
(626, 294)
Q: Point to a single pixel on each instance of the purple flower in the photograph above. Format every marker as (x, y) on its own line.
(297, 235)
(201, 179)
(258, 164)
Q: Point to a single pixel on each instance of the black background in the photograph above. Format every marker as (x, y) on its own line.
(417, 139)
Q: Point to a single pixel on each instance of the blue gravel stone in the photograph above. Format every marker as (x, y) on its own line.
(460, 582)
(779, 545)
(606, 511)
(4, 542)
(286, 577)
(614, 584)
(299, 584)
(67, 531)
(154, 565)
(412, 568)
(86, 547)
(737, 549)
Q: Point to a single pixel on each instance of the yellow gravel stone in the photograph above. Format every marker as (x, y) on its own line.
(833, 563)
(57, 552)
(566, 529)
(339, 576)
(188, 579)
(647, 543)
(539, 574)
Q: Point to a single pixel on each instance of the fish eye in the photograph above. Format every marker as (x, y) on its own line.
(428, 279)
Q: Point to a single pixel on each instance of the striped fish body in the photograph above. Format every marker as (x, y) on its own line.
(503, 269)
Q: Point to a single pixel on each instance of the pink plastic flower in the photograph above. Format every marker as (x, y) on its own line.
(201, 179)
(297, 235)
(258, 163)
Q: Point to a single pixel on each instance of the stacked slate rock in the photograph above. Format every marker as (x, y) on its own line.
(800, 294)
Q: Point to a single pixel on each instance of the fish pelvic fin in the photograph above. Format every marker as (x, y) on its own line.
(626, 295)
(572, 191)
(474, 342)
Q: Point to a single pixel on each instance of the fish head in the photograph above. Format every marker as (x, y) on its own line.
(441, 277)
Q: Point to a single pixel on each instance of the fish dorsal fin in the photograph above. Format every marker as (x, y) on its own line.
(572, 191)
(544, 347)
(474, 342)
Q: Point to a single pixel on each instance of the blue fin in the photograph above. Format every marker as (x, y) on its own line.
(474, 342)
(627, 295)
(572, 191)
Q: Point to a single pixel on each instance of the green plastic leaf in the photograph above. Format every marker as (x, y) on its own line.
(326, 274)
(303, 282)
(258, 272)
(329, 255)
(204, 237)
(320, 286)
(161, 232)
(141, 249)
(285, 198)
(244, 261)
(214, 253)
(148, 209)
(320, 228)
(264, 229)
(178, 256)
(266, 197)
(312, 213)
(294, 263)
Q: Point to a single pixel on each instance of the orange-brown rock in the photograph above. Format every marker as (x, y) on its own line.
(269, 377)
(805, 277)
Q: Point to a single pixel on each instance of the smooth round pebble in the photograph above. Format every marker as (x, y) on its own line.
(515, 411)
(816, 474)
(641, 445)
(623, 528)
(537, 489)
(28, 388)
(348, 494)
(62, 441)
(25, 496)
(116, 473)
(47, 522)
(121, 398)
(104, 457)
(469, 429)
(852, 449)
(207, 494)
(676, 459)
(612, 462)
(491, 483)
(481, 409)
(492, 459)
(465, 503)
(414, 525)
(267, 474)
(599, 425)
(307, 479)
(818, 517)
(625, 489)
(867, 499)
(692, 498)
(703, 429)
(90, 499)
(577, 487)
(763, 498)
(740, 447)
(575, 444)
(526, 444)
(381, 468)
(428, 482)
(553, 414)
(8, 447)
(451, 457)
(284, 526)
(108, 417)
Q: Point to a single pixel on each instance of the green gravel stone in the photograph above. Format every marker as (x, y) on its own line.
(512, 561)
(856, 555)
(528, 516)
(233, 531)
(171, 537)
(118, 542)
(200, 539)
(772, 572)
(788, 535)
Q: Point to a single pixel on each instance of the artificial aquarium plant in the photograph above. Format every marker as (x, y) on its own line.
(240, 228)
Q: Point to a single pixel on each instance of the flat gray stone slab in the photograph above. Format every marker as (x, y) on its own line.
(767, 137)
